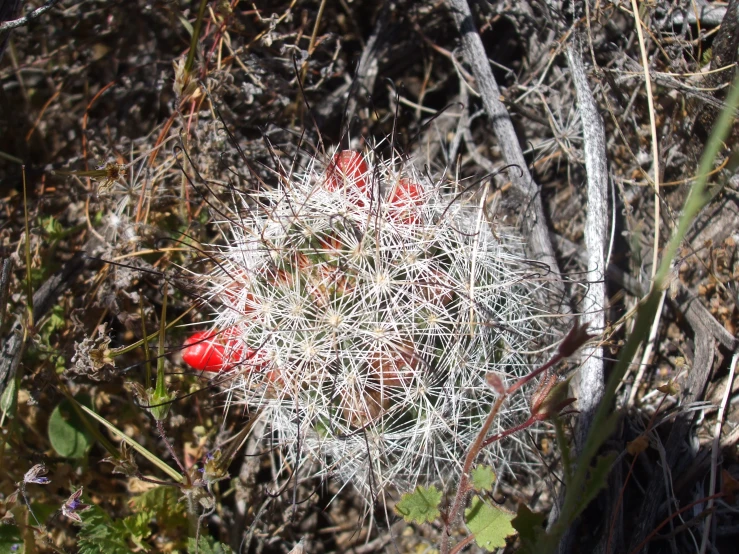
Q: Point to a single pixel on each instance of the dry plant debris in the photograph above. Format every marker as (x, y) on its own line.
(131, 138)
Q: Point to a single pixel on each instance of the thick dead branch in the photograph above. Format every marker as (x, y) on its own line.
(596, 238)
(534, 221)
(590, 376)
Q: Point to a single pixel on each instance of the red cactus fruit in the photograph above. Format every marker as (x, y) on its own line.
(405, 201)
(347, 169)
(206, 351)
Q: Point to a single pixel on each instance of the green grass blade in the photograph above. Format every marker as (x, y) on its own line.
(133, 444)
(695, 202)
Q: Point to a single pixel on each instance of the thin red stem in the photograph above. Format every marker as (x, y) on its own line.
(163, 435)
(479, 444)
(467, 540)
(474, 450)
(526, 378)
(528, 423)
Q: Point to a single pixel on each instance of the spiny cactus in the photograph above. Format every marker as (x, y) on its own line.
(359, 308)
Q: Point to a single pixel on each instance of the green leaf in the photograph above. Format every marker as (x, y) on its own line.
(529, 526)
(106, 543)
(186, 24)
(137, 525)
(10, 538)
(207, 545)
(489, 524)
(483, 478)
(68, 435)
(163, 504)
(421, 506)
(53, 228)
(99, 534)
(9, 399)
(57, 320)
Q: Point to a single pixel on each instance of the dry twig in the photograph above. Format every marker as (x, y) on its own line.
(15, 23)
(596, 231)
(535, 226)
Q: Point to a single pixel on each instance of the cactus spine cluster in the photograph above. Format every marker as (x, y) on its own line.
(358, 309)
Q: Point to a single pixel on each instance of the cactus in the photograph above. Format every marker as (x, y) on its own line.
(359, 309)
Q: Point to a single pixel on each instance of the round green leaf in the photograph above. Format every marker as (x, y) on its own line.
(420, 506)
(67, 433)
(489, 524)
(483, 478)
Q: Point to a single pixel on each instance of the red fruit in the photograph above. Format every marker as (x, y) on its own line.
(347, 170)
(204, 351)
(405, 201)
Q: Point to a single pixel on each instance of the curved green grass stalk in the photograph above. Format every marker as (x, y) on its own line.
(604, 421)
(147, 356)
(76, 404)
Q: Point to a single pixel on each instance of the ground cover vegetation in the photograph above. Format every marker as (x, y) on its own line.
(368, 276)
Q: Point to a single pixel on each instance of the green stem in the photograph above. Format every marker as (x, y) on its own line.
(194, 39)
(112, 450)
(161, 387)
(147, 356)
